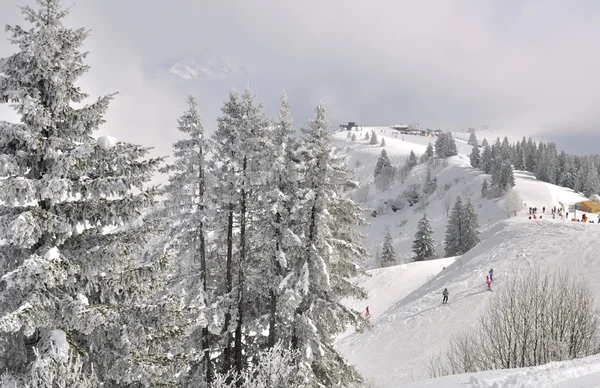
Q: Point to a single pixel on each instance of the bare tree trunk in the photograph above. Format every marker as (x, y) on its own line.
(238, 355)
(205, 342)
(273, 291)
(228, 289)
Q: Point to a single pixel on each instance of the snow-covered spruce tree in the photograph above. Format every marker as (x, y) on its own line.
(484, 188)
(388, 253)
(454, 231)
(430, 184)
(185, 207)
(486, 160)
(71, 213)
(474, 157)
(332, 249)
(241, 147)
(280, 221)
(374, 139)
(382, 162)
(592, 181)
(472, 139)
(469, 236)
(429, 151)
(367, 137)
(423, 244)
(353, 138)
(382, 142)
(412, 160)
(445, 146)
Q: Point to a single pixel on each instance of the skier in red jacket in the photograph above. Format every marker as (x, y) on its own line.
(489, 283)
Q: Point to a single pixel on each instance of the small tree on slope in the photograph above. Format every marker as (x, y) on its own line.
(474, 157)
(388, 254)
(423, 245)
(374, 139)
(72, 249)
(382, 162)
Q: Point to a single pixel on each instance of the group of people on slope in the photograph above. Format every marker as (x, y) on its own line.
(489, 278)
(558, 212)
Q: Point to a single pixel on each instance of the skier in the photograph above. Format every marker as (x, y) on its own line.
(368, 314)
(445, 293)
(544, 209)
(489, 283)
(491, 274)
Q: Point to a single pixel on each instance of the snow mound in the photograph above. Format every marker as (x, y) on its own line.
(595, 198)
(58, 340)
(52, 254)
(106, 142)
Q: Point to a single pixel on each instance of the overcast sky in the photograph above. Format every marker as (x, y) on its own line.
(528, 66)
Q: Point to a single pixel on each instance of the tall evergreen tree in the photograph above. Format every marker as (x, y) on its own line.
(383, 162)
(71, 216)
(388, 253)
(412, 160)
(592, 181)
(185, 207)
(486, 161)
(472, 139)
(445, 146)
(332, 246)
(474, 157)
(469, 234)
(423, 244)
(454, 231)
(429, 151)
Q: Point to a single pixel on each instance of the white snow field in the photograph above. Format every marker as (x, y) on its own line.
(410, 326)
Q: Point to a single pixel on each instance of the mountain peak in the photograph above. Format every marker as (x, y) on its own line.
(208, 66)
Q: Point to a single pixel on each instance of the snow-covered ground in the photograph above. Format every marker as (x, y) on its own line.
(582, 373)
(409, 322)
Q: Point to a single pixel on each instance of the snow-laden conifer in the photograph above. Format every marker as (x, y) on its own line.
(474, 157)
(388, 253)
(72, 212)
(374, 139)
(423, 244)
(332, 250)
(186, 209)
(469, 232)
(454, 230)
(383, 162)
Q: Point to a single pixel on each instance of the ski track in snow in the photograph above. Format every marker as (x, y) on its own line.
(409, 322)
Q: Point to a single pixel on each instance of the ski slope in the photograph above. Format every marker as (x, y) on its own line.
(409, 327)
(417, 326)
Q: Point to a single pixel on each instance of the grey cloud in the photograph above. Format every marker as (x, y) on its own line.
(452, 64)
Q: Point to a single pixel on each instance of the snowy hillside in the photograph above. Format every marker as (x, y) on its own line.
(205, 66)
(409, 327)
(417, 326)
(455, 177)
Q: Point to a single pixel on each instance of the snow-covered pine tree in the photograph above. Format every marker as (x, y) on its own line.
(412, 160)
(484, 188)
(374, 139)
(430, 184)
(72, 212)
(475, 156)
(332, 248)
(285, 248)
(423, 244)
(445, 146)
(353, 138)
(241, 149)
(382, 142)
(429, 151)
(185, 208)
(486, 160)
(454, 231)
(469, 237)
(592, 181)
(388, 253)
(348, 134)
(367, 137)
(472, 139)
(382, 162)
